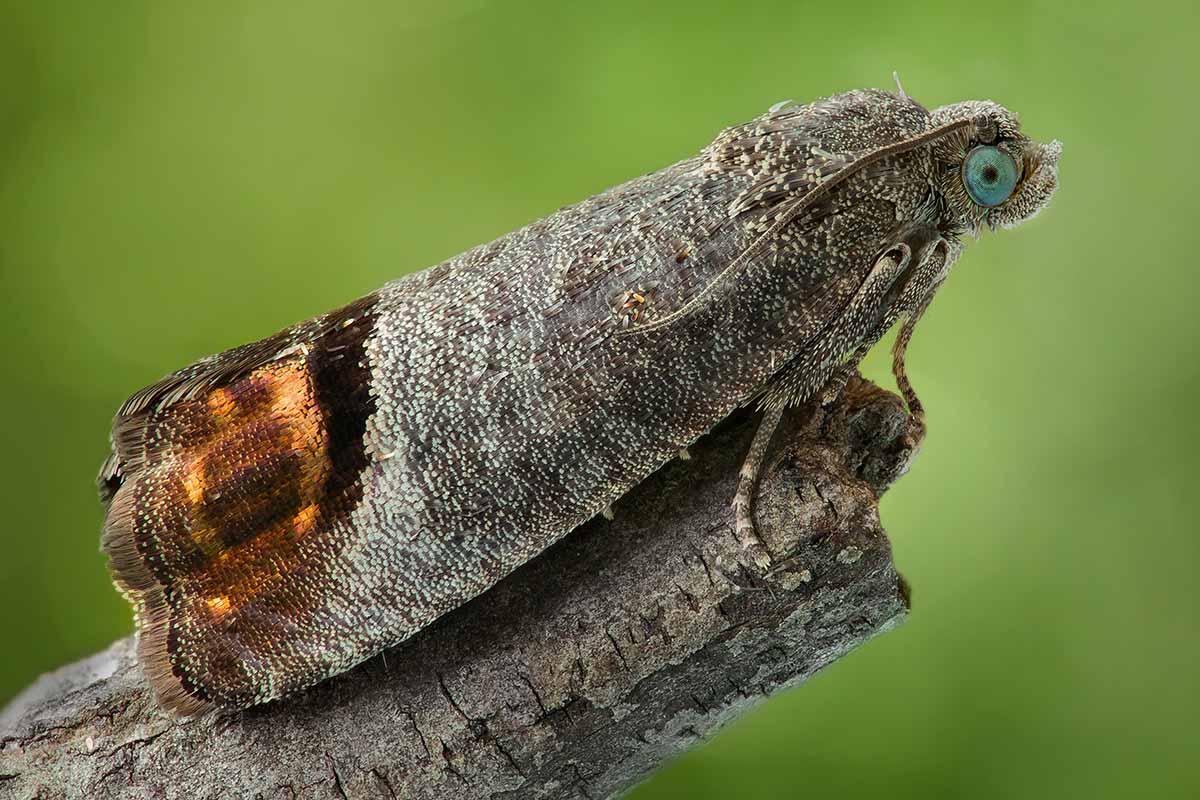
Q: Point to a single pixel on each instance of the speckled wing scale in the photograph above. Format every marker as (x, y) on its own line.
(285, 510)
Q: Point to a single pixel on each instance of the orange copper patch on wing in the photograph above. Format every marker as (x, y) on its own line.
(221, 404)
(193, 481)
(246, 485)
(228, 489)
(305, 519)
(218, 605)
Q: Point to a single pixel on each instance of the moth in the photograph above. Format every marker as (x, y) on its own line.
(282, 511)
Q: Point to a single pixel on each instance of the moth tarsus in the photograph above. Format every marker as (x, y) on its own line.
(285, 510)
(747, 486)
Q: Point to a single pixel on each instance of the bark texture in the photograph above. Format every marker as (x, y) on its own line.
(575, 677)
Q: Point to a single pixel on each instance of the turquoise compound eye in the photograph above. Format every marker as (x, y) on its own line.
(990, 175)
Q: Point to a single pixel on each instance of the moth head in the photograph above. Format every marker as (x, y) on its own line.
(989, 173)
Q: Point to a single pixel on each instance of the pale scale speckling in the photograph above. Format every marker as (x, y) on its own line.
(516, 398)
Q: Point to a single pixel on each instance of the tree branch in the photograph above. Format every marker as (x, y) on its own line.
(575, 677)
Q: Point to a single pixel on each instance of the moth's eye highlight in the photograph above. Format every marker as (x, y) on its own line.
(990, 175)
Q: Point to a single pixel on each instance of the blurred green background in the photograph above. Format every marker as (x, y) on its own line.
(178, 178)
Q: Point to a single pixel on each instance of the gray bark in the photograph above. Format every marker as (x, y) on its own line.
(577, 676)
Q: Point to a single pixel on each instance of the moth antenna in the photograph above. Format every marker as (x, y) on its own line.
(899, 86)
(793, 209)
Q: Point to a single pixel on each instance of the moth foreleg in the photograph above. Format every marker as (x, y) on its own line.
(931, 275)
(885, 272)
(743, 499)
(788, 386)
(916, 410)
(797, 383)
(842, 375)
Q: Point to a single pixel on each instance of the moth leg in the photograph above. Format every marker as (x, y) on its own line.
(932, 273)
(849, 368)
(881, 277)
(791, 387)
(916, 411)
(925, 283)
(887, 269)
(743, 499)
